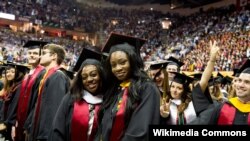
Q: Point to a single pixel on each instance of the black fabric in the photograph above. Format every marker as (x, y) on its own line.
(55, 87)
(146, 113)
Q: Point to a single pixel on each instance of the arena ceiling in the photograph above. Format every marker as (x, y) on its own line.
(181, 3)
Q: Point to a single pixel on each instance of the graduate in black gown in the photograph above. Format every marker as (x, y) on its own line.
(14, 75)
(50, 91)
(76, 118)
(236, 111)
(132, 100)
(22, 107)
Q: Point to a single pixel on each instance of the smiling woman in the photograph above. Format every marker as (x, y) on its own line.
(131, 95)
(76, 118)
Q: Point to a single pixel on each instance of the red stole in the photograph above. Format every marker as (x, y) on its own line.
(119, 121)
(80, 122)
(227, 115)
(47, 74)
(23, 100)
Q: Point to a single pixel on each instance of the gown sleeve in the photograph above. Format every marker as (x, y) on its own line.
(147, 113)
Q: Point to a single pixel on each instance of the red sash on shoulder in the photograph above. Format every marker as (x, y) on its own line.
(23, 100)
(80, 122)
(47, 74)
(227, 115)
(119, 121)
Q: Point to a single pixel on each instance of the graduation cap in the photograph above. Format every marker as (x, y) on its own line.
(159, 65)
(226, 80)
(33, 44)
(175, 61)
(115, 39)
(19, 67)
(182, 78)
(87, 54)
(196, 76)
(244, 66)
(214, 80)
(70, 74)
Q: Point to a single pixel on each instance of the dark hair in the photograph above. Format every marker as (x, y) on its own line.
(11, 85)
(137, 77)
(185, 98)
(59, 50)
(76, 88)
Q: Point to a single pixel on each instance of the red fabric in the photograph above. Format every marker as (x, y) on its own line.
(80, 122)
(39, 99)
(227, 115)
(248, 119)
(119, 122)
(23, 101)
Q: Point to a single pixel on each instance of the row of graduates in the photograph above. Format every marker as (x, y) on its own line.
(115, 103)
(44, 106)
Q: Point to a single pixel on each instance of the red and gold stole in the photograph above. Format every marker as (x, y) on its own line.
(23, 100)
(80, 121)
(47, 74)
(119, 120)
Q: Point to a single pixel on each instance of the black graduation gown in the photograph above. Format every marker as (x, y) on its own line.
(147, 113)
(203, 105)
(6, 112)
(32, 101)
(239, 119)
(55, 87)
(62, 122)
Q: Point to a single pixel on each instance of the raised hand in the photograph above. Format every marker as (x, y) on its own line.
(164, 108)
(214, 50)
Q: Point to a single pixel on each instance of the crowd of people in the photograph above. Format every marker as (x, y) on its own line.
(111, 95)
(185, 37)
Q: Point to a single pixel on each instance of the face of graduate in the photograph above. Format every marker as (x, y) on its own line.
(33, 56)
(158, 79)
(243, 87)
(176, 90)
(169, 69)
(235, 82)
(120, 65)
(90, 78)
(46, 57)
(10, 74)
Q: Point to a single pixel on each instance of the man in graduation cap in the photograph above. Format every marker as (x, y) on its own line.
(132, 100)
(24, 99)
(54, 84)
(173, 66)
(237, 110)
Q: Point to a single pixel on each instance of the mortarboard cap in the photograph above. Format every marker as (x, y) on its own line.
(87, 54)
(226, 80)
(175, 61)
(70, 74)
(182, 78)
(115, 39)
(196, 76)
(19, 67)
(244, 66)
(159, 65)
(31, 44)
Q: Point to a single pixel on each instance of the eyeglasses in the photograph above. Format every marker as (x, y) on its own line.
(45, 52)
